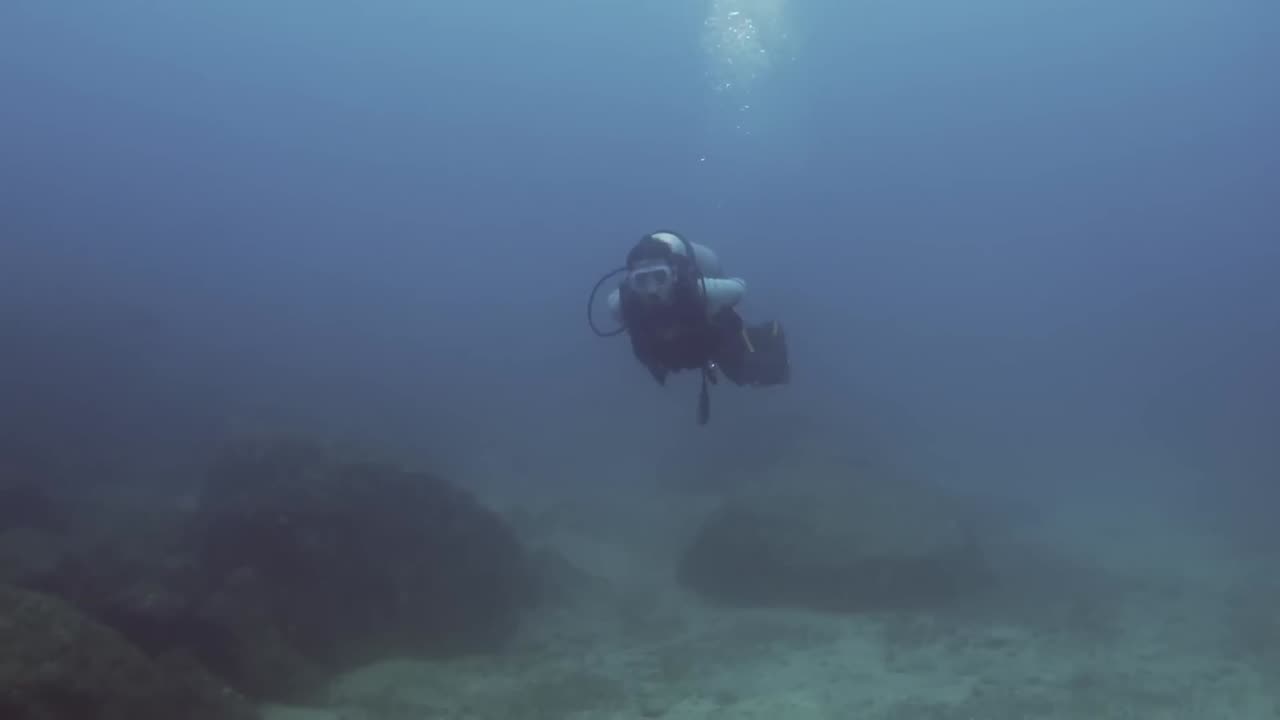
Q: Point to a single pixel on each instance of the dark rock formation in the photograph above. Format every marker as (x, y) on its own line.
(295, 565)
(351, 561)
(56, 663)
(847, 544)
(136, 571)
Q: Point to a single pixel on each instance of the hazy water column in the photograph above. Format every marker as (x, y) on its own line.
(745, 43)
(743, 39)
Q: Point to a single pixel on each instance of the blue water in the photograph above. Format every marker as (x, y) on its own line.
(1027, 249)
(1011, 242)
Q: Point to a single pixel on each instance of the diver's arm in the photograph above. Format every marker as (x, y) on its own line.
(723, 293)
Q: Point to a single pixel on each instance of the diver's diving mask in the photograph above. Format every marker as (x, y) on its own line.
(653, 280)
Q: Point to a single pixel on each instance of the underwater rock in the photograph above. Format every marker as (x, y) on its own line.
(846, 545)
(57, 663)
(295, 566)
(325, 564)
(133, 570)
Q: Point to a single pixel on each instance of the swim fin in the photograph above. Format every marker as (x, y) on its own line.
(761, 358)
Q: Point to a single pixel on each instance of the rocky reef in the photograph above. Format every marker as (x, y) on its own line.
(841, 541)
(294, 565)
(58, 663)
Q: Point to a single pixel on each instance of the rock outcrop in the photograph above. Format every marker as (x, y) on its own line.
(294, 565)
(340, 563)
(57, 663)
(840, 544)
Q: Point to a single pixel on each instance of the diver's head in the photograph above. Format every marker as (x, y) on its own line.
(654, 268)
(652, 280)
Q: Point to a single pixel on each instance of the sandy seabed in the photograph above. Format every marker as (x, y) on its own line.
(1119, 615)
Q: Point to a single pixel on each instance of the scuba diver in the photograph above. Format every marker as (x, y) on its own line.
(679, 309)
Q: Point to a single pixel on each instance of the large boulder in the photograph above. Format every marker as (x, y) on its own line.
(295, 565)
(334, 563)
(841, 543)
(134, 570)
(137, 572)
(57, 663)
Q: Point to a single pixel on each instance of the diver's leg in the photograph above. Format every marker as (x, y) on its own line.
(730, 345)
